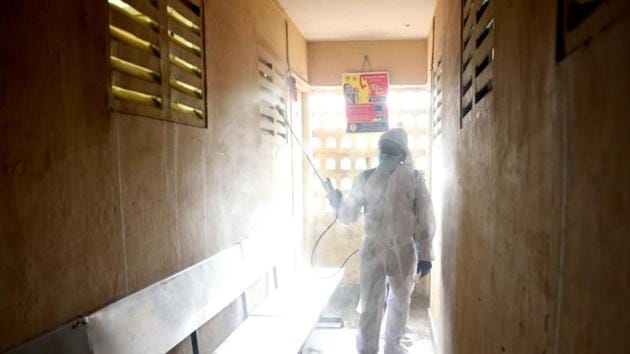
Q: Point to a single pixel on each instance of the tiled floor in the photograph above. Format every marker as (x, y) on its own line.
(342, 340)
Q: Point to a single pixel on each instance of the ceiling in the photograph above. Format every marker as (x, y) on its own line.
(337, 20)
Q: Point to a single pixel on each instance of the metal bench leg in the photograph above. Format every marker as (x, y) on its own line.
(244, 304)
(195, 342)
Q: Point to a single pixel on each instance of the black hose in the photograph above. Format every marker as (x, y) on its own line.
(282, 114)
(319, 238)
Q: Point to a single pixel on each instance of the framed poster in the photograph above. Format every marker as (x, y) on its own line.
(365, 95)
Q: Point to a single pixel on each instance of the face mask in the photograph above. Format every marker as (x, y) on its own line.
(389, 162)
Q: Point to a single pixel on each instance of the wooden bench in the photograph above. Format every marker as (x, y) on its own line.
(282, 323)
(158, 317)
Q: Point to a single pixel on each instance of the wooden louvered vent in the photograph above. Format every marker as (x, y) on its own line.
(157, 59)
(580, 21)
(477, 55)
(436, 99)
(273, 98)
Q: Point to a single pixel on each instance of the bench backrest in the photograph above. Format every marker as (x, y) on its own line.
(156, 318)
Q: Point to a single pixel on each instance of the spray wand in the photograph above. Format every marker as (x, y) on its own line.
(326, 185)
(308, 158)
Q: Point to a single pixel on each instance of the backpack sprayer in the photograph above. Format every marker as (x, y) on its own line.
(325, 185)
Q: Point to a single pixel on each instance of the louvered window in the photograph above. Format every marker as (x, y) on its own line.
(273, 99)
(157, 59)
(436, 97)
(477, 54)
(581, 20)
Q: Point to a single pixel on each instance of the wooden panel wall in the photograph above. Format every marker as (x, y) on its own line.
(406, 60)
(97, 205)
(535, 203)
(298, 51)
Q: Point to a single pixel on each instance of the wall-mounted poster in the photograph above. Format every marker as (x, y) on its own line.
(366, 101)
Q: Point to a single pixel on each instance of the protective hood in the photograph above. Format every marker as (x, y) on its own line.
(399, 137)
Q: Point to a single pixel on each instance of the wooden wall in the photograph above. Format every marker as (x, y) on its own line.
(406, 60)
(534, 189)
(97, 205)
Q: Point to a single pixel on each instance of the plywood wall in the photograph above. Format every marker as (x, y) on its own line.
(535, 197)
(406, 60)
(96, 205)
(298, 51)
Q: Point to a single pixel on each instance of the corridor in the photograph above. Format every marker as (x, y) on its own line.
(315, 176)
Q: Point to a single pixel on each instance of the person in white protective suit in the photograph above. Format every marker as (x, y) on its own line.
(398, 210)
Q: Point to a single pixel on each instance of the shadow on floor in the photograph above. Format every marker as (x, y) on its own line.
(342, 340)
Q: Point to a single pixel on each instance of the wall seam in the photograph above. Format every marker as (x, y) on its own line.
(434, 337)
(123, 231)
(204, 191)
(563, 222)
(179, 251)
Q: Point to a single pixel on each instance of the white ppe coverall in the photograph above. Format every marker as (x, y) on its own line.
(396, 205)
